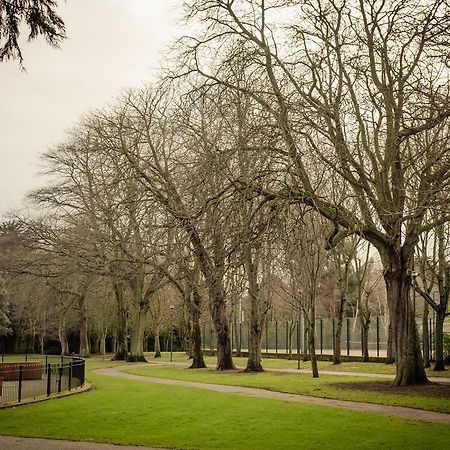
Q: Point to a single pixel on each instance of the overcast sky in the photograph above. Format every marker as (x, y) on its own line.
(111, 45)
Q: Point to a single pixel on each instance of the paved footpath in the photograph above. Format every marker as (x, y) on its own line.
(397, 411)
(18, 443)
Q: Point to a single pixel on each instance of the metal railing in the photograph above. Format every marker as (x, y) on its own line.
(24, 377)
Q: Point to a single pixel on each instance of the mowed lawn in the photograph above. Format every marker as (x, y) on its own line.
(131, 412)
(324, 386)
(281, 363)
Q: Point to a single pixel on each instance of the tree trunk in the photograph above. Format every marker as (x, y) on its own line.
(42, 341)
(306, 351)
(312, 344)
(254, 347)
(197, 355)
(220, 320)
(103, 342)
(157, 344)
(425, 336)
(237, 337)
(137, 335)
(365, 324)
(408, 357)
(291, 333)
(439, 341)
(84, 339)
(121, 352)
(337, 358)
(256, 319)
(390, 345)
(62, 336)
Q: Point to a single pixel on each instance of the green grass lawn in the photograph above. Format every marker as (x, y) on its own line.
(271, 363)
(132, 412)
(296, 384)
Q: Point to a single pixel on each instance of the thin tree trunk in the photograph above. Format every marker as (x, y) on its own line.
(237, 337)
(157, 344)
(62, 336)
(306, 351)
(121, 352)
(337, 358)
(439, 341)
(42, 341)
(365, 337)
(197, 355)
(425, 336)
(390, 352)
(312, 341)
(84, 339)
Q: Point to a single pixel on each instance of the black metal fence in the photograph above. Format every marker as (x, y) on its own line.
(24, 377)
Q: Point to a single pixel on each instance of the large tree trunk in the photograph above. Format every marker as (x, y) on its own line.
(137, 334)
(408, 357)
(84, 351)
(425, 336)
(121, 352)
(220, 321)
(224, 356)
(256, 319)
(439, 341)
(197, 355)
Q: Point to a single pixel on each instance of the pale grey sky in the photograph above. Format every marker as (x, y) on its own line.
(111, 45)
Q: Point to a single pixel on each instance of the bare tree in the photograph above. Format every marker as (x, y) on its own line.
(354, 87)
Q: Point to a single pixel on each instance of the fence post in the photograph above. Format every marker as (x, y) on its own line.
(69, 382)
(321, 336)
(378, 336)
(276, 336)
(19, 395)
(49, 379)
(26, 357)
(298, 344)
(348, 336)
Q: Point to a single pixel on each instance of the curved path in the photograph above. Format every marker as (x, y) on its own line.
(397, 411)
(19, 443)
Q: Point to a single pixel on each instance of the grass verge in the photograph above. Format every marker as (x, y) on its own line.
(130, 412)
(300, 384)
(272, 363)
